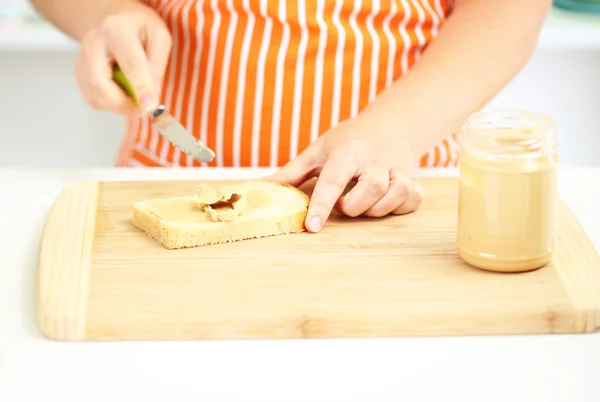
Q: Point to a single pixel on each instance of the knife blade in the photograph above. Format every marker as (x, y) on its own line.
(167, 125)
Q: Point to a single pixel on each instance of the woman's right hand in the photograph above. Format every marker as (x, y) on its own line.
(135, 37)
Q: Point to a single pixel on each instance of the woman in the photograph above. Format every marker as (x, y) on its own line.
(339, 89)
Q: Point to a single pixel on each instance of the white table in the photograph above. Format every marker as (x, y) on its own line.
(515, 368)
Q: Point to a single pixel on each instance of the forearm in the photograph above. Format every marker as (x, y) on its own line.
(482, 46)
(76, 17)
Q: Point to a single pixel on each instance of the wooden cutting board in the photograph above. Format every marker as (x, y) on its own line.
(100, 278)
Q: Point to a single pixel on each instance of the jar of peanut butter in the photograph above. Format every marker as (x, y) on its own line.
(507, 194)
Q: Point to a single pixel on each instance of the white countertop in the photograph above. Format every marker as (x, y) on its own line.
(512, 368)
(563, 29)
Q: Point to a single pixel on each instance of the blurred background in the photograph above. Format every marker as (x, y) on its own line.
(45, 123)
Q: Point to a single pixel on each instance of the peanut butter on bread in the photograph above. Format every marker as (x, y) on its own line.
(222, 214)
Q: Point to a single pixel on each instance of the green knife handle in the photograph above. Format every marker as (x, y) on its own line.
(123, 82)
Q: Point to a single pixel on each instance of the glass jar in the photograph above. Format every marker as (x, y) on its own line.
(508, 190)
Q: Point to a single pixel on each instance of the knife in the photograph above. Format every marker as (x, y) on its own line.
(167, 125)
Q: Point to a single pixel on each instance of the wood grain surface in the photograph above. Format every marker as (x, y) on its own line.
(100, 278)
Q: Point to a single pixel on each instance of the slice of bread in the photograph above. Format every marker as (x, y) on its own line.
(265, 209)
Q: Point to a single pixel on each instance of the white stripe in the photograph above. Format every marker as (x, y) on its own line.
(339, 63)
(374, 51)
(298, 80)
(260, 83)
(407, 45)
(419, 29)
(171, 82)
(389, 77)
(195, 72)
(435, 18)
(278, 97)
(443, 154)
(153, 140)
(225, 81)
(241, 87)
(431, 157)
(143, 134)
(134, 163)
(358, 55)
(319, 66)
(439, 9)
(210, 68)
(184, 78)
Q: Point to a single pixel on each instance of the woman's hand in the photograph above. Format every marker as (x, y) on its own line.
(135, 37)
(378, 156)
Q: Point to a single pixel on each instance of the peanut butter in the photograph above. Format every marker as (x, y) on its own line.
(507, 195)
(222, 203)
(253, 199)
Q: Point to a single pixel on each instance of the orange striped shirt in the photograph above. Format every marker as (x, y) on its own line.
(258, 80)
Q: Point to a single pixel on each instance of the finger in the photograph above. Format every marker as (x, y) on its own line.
(337, 172)
(158, 48)
(371, 186)
(397, 193)
(94, 76)
(413, 201)
(127, 49)
(299, 169)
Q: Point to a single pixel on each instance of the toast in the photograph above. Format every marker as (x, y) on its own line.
(222, 214)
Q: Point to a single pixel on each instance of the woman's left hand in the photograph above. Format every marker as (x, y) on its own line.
(379, 157)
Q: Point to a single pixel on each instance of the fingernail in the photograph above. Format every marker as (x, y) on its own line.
(314, 224)
(148, 102)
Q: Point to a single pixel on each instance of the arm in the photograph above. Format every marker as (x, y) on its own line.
(481, 47)
(76, 17)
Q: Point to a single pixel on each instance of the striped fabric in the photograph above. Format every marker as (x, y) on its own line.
(259, 80)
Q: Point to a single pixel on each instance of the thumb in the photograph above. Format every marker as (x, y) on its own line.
(298, 170)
